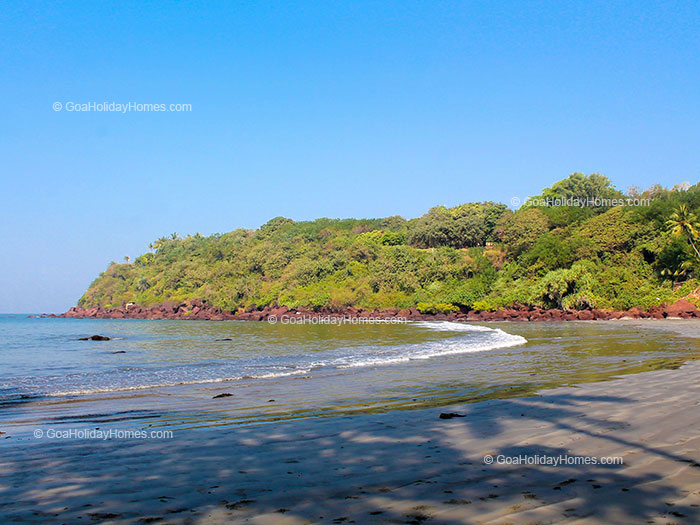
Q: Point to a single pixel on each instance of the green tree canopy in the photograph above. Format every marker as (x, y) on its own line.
(519, 230)
(463, 226)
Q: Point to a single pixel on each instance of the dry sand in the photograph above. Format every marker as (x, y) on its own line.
(399, 467)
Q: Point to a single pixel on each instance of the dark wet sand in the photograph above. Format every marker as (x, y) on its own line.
(398, 467)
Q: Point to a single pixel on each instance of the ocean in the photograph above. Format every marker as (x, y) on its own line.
(285, 371)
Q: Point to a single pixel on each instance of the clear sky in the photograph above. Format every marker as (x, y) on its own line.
(311, 109)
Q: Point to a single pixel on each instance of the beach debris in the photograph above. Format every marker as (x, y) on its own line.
(104, 515)
(95, 338)
(239, 504)
(225, 394)
(450, 415)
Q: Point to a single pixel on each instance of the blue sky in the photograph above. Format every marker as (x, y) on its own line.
(310, 109)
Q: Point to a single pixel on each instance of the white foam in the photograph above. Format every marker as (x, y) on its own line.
(451, 326)
(488, 339)
(109, 390)
(464, 339)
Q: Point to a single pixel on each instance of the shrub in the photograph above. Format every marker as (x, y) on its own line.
(520, 230)
(483, 305)
(436, 308)
(550, 252)
(567, 288)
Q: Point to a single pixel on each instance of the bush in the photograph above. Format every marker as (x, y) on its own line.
(483, 305)
(550, 252)
(567, 288)
(612, 231)
(520, 230)
(470, 291)
(436, 308)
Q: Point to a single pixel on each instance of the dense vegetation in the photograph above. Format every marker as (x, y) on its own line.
(580, 244)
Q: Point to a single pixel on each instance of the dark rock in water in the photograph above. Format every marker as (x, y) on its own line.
(95, 338)
(225, 394)
(225, 339)
(450, 415)
(120, 352)
(271, 401)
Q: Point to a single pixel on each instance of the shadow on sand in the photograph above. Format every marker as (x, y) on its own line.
(406, 467)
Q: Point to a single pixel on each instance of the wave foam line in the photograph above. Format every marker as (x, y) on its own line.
(496, 339)
(108, 390)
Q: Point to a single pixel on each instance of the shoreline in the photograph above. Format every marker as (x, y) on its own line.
(330, 391)
(389, 466)
(201, 311)
(398, 466)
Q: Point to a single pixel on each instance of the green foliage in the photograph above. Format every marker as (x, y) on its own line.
(393, 238)
(520, 230)
(556, 256)
(567, 288)
(614, 230)
(575, 199)
(549, 252)
(463, 226)
(684, 223)
(483, 305)
(436, 308)
(675, 260)
(578, 185)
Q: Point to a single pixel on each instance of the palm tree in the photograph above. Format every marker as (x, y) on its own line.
(679, 273)
(684, 223)
(127, 259)
(157, 245)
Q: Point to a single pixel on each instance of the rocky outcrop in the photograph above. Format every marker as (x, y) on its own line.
(682, 309)
(200, 310)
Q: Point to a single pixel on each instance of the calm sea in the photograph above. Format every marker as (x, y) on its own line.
(278, 371)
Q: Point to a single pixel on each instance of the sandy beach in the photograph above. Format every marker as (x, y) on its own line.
(285, 263)
(398, 467)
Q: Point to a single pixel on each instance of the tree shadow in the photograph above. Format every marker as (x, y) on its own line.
(401, 467)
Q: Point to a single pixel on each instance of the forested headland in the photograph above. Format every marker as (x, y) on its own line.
(581, 244)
